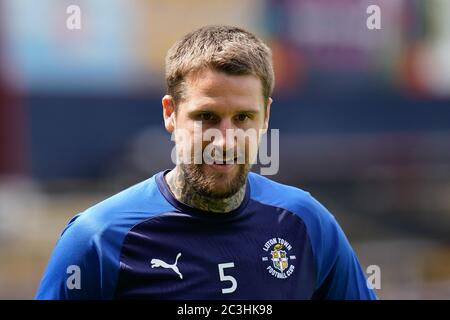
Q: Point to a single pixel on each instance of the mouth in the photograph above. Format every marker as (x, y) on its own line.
(223, 166)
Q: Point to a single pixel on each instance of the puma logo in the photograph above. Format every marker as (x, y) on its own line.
(157, 263)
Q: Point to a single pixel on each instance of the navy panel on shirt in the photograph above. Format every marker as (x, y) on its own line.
(205, 243)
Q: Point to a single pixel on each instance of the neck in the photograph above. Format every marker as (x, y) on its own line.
(183, 192)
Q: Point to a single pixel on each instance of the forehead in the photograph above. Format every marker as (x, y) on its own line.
(208, 87)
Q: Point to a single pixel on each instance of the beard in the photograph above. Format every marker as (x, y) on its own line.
(216, 185)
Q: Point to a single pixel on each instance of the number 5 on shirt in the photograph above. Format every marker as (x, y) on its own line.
(223, 277)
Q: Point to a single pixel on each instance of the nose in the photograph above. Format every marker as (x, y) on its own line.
(227, 139)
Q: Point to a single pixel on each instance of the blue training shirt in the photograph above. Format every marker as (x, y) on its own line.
(280, 243)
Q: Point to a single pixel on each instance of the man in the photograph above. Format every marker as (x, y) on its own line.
(208, 230)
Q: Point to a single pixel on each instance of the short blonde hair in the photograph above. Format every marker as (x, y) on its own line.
(228, 49)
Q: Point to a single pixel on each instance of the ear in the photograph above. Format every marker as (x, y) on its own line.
(267, 115)
(168, 113)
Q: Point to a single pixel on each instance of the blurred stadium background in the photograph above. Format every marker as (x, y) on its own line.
(364, 119)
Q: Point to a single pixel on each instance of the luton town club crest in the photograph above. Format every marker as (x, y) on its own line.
(278, 252)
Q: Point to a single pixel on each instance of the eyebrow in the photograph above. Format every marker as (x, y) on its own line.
(209, 108)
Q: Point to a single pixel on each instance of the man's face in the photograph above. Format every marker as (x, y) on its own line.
(222, 104)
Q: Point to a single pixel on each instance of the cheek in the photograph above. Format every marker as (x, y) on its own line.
(183, 125)
(251, 147)
(184, 137)
(256, 123)
(189, 141)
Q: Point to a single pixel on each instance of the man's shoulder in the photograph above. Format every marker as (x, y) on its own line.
(263, 187)
(121, 211)
(92, 241)
(323, 230)
(293, 199)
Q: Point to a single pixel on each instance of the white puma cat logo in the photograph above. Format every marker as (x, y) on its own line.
(157, 263)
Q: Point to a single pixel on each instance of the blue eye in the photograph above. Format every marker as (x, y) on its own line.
(206, 116)
(242, 117)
